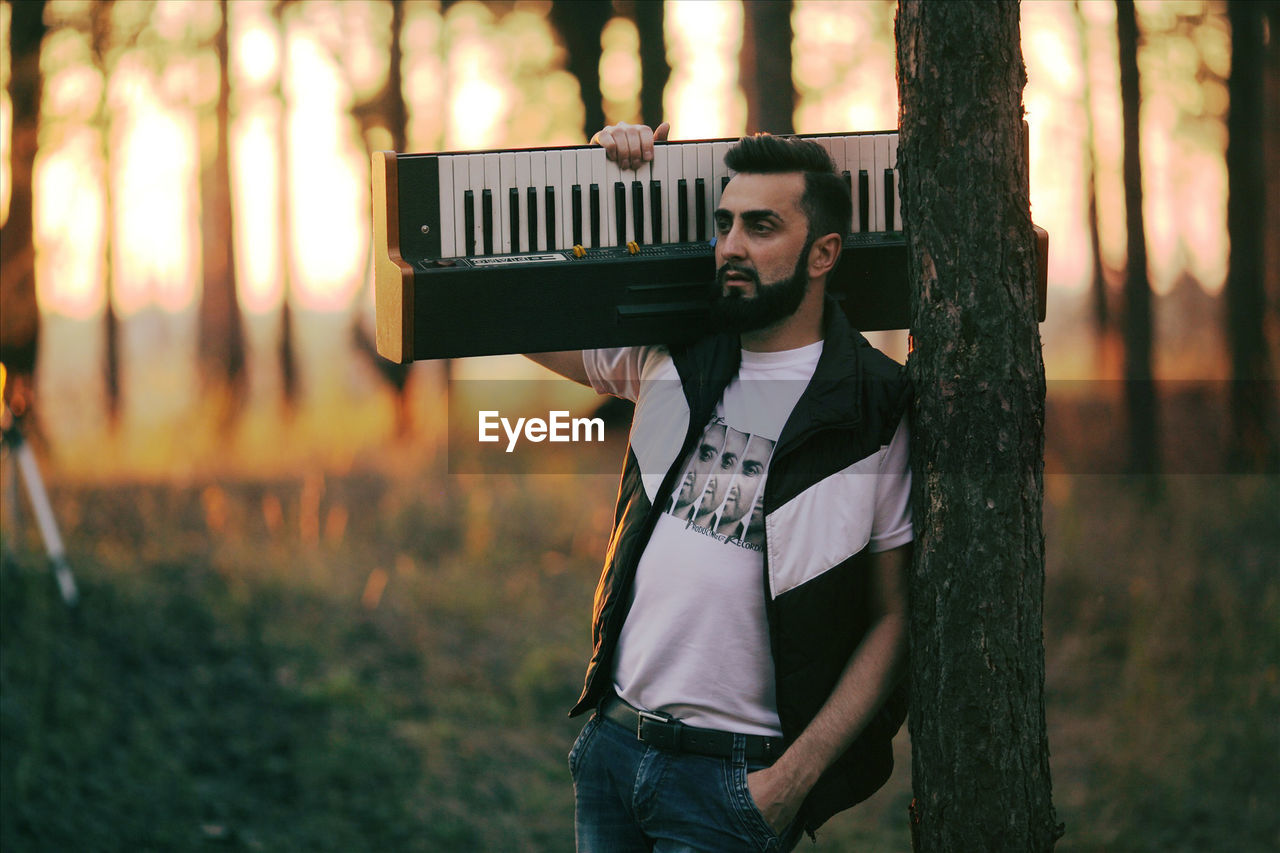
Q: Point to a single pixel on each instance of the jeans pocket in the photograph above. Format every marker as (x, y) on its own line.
(580, 745)
(751, 814)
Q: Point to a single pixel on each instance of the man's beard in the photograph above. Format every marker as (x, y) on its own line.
(771, 304)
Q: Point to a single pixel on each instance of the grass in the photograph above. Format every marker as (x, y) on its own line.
(382, 660)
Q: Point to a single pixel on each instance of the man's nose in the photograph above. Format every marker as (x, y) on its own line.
(730, 245)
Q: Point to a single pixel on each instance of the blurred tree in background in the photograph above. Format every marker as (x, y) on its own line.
(19, 314)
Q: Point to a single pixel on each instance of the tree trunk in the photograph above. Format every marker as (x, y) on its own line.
(654, 70)
(220, 338)
(1271, 154)
(287, 350)
(19, 313)
(1098, 282)
(388, 110)
(1252, 446)
(765, 66)
(100, 36)
(980, 766)
(580, 25)
(1140, 397)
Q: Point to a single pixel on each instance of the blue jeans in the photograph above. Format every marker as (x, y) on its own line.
(634, 797)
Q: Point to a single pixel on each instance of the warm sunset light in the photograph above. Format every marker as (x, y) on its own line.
(843, 75)
(702, 98)
(341, 571)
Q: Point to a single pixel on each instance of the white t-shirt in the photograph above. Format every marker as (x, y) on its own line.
(696, 640)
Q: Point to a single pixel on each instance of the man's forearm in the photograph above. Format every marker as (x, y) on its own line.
(868, 678)
(865, 684)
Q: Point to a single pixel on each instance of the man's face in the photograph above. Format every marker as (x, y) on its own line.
(695, 476)
(762, 251)
(722, 472)
(743, 490)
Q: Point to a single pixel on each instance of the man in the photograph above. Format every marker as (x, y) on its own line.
(744, 693)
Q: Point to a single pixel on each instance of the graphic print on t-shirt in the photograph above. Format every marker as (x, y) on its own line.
(721, 492)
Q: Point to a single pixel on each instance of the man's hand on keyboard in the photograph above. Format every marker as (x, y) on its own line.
(630, 145)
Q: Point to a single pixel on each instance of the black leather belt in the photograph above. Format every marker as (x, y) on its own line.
(665, 732)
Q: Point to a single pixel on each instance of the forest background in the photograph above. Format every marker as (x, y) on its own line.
(301, 627)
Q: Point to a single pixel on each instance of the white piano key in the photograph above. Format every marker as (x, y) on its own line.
(555, 180)
(720, 171)
(599, 171)
(505, 242)
(867, 163)
(659, 173)
(882, 163)
(461, 178)
(706, 171)
(849, 159)
(538, 180)
(644, 228)
(834, 147)
(896, 225)
(666, 168)
(520, 239)
(493, 183)
(689, 155)
(475, 183)
(612, 175)
(564, 193)
(444, 169)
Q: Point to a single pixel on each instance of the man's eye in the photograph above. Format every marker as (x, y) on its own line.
(761, 228)
(722, 226)
(752, 469)
(728, 461)
(705, 453)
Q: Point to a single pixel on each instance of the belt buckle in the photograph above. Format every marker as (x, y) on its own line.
(658, 729)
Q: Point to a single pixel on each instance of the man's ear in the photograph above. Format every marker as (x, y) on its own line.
(823, 254)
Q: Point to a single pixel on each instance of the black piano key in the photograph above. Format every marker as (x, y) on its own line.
(853, 199)
(550, 196)
(532, 196)
(682, 193)
(620, 208)
(888, 200)
(700, 207)
(656, 209)
(486, 204)
(637, 209)
(576, 201)
(864, 201)
(595, 215)
(513, 206)
(469, 220)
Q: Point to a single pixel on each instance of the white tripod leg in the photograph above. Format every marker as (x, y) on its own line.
(45, 521)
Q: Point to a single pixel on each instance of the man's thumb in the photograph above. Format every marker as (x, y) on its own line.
(661, 132)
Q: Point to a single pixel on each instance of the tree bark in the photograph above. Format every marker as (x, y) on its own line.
(654, 70)
(220, 337)
(1140, 397)
(1252, 398)
(765, 66)
(980, 767)
(19, 312)
(580, 26)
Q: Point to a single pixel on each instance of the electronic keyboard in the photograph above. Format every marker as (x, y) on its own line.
(492, 252)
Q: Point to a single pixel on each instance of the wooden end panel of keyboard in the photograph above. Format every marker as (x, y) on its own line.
(392, 275)
(1042, 273)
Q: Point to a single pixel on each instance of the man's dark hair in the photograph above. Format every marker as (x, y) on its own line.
(825, 201)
